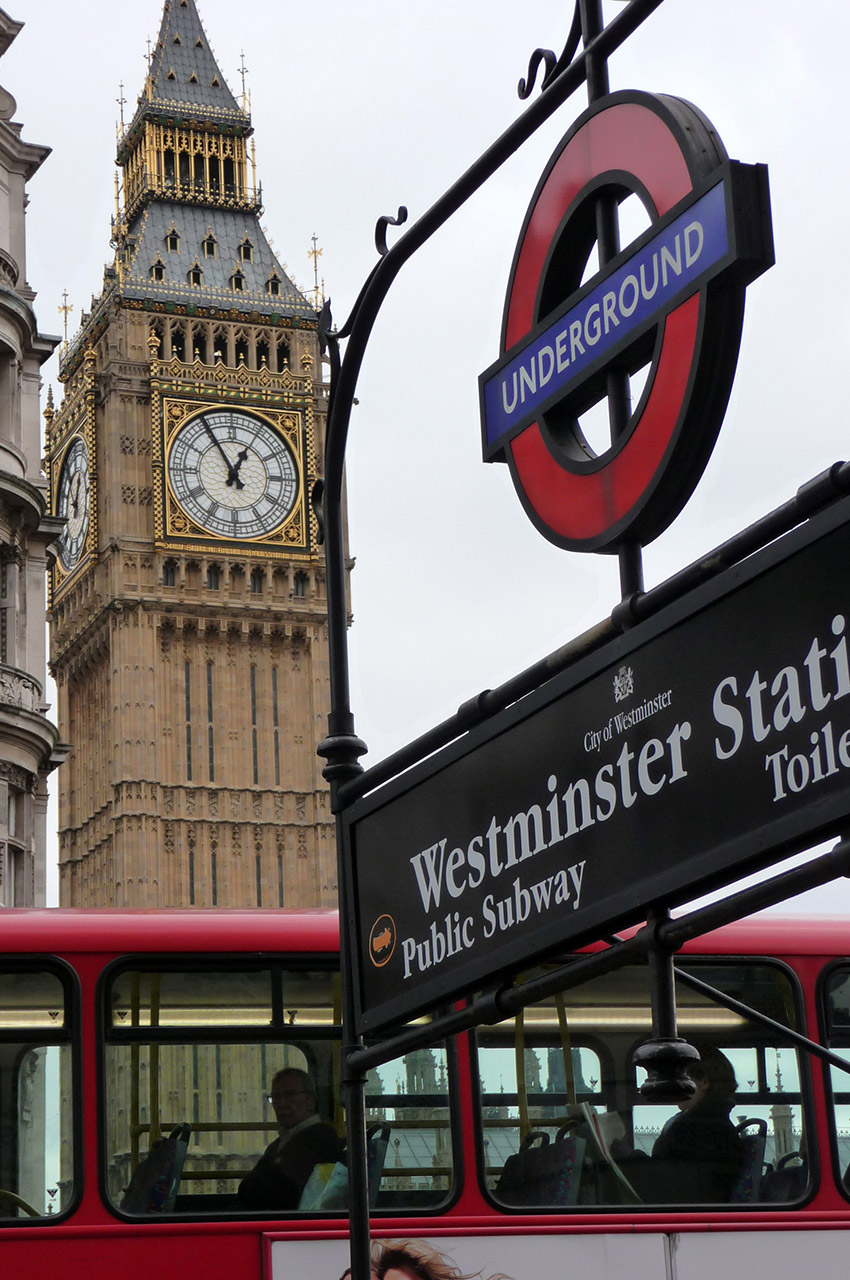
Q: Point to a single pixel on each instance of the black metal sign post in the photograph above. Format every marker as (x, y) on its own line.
(686, 238)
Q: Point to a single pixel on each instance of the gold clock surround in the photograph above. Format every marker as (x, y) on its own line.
(173, 526)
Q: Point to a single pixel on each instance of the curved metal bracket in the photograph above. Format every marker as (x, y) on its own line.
(546, 57)
(381, 228)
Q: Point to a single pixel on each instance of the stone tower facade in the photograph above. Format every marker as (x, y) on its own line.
(29, 743)
(187, 605)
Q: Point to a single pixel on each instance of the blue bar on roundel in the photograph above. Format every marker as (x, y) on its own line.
(666, 270)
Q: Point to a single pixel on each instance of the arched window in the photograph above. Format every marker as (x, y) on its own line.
(213, 577)
(273, 285)
(246, 251)
(257, 577)
(172, 241)
(299, 584)
(178, 342)
(158, 269)
(237, 282)
(169, 573)
(209, 242)
(196, 275)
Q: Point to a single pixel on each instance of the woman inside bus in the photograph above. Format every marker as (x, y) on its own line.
(303, 1141)
(698, 1155)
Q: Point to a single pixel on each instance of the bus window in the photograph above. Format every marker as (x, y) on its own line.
(562, 1122)
(36, 1095)
(190, 1057)
(191, 1054)
(410, 1096)
(837, 1000)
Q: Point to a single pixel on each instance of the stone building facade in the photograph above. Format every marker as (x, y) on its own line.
(29, 742)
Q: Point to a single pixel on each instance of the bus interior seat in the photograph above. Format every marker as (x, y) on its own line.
(752, 1135)
(156, 1178)
(788, 1180)
(543, 1172)
(377, 1142)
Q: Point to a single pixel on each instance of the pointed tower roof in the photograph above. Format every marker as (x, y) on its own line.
(184, 78)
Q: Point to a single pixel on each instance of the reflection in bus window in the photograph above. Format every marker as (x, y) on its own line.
(36, 1129)
(190, 1059)
(563, 1122)
(837, 1000)
(410, 1095)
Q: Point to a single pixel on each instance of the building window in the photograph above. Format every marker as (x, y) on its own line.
(178, 342)
(276, 724)
(196, 276)
(256, 587)
(273, 286)
(210, 733)
(299, 584)
(187, 691)
(246, 251)
(254, 744)
(213, 577)
(237, 282)
(158, 270)
(169, 574)
(209, 244)
(172, 242)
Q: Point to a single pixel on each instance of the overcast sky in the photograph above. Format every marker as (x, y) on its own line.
(360, 107)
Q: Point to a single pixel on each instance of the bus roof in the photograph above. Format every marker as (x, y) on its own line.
(55, 929)
(65, 930)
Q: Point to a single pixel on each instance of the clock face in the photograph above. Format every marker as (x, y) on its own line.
(72, 503)
(233, 474)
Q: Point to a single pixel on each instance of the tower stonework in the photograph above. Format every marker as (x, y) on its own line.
(187, 603)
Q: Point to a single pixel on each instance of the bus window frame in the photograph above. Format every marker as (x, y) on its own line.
(820, 985)
(273, 1033)
(284, 1033)
(70, 1033)
(458, 1165)
(695, 960)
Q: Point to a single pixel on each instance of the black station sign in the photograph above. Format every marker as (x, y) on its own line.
(699, 746)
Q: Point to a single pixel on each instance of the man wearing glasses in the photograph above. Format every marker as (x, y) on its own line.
(281, 1173)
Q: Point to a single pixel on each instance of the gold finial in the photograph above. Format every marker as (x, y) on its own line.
(49, 413)
(65, 310)
(315, 253)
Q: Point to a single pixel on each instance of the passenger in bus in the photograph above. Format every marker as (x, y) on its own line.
(699, 1148)
(303, 1141)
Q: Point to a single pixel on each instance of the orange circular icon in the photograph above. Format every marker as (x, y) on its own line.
(382, 941)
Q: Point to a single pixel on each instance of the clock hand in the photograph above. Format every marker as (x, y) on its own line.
(240, 458)
(232, 477)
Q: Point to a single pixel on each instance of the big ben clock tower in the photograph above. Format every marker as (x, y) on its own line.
(187, 603)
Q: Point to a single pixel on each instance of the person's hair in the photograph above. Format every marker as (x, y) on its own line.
(303, 1076)
(717, 1072)
(418, 1258)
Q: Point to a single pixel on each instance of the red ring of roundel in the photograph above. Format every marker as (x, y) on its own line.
(585, 507)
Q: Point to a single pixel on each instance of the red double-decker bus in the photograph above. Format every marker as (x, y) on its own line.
(137, 1051)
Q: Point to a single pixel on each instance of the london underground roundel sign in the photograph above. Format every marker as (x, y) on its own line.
(672, 299)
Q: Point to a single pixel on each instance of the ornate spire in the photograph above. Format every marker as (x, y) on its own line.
(184, 75)
(184, 81)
